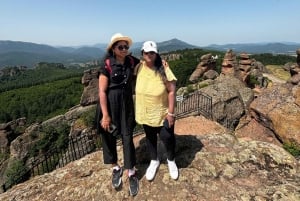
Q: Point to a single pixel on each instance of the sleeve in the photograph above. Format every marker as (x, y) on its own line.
(170, 75)
(103, 70)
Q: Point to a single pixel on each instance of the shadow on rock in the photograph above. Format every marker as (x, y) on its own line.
(186, 148)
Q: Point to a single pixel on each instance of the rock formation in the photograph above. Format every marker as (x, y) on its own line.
(229, 64)
(230, 100)
(295, 70)
(278, 109)
(90, 91)
(171, 57)
(207, 63)
(244, 67)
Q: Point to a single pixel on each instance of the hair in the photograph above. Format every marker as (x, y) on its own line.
(158, 65)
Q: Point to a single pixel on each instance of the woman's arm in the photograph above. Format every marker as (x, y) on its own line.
(171, 87)
(103, 85)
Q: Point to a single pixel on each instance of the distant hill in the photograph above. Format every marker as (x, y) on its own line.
(258, 48)
(18, 46)
(28, 54)
(93, 52)
(174, 44)
(165, 46)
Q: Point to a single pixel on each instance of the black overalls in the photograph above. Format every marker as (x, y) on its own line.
(121, 109)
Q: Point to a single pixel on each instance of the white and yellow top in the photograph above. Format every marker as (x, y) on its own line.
(151, 104)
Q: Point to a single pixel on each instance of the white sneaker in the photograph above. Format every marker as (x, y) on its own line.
(151, 170)
(173, 169)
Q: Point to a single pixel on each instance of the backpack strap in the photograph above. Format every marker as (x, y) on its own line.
(131, 61)
(107, 66)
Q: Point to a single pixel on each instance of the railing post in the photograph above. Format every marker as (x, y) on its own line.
(73, 148)
(47, 168)
(3, 188)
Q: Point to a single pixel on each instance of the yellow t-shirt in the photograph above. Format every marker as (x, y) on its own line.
(151, 104)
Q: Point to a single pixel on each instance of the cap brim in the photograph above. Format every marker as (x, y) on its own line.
(150, 49)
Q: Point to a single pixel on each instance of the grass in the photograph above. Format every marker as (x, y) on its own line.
(292, 148)
(278, 71)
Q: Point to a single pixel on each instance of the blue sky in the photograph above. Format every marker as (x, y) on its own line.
(88, 22)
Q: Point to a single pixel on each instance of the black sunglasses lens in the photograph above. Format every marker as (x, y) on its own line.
(123, 47)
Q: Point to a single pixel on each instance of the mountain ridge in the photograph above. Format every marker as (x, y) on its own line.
(27, 53)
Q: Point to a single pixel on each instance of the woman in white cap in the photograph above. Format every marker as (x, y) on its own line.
(117, 108)
(155, 106)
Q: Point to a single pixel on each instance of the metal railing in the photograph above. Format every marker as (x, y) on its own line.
(82, 145)
(56, 158)
(197, 102)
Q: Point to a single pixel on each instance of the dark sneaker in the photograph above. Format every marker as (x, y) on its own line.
(133, 185)
(117, 178)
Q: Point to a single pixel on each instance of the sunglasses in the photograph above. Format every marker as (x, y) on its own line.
(123, 47)
(151, 53)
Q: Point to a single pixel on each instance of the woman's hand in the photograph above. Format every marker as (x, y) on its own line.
(171, 120)
(105, 122)
(165, 63)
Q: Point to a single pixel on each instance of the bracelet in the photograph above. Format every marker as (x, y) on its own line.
(171, 114)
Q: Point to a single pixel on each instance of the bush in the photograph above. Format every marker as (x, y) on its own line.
(253, 81)
(88, 117)
(190, 89)
(292, 148)
(16, 173)
(3, 156)
(51, 138)
(202, 85)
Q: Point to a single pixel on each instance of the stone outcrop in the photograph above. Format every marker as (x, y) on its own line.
(8, 134)
(278, 109)
(212, 167)
(244, 67)
(230, 99)
(229, 64)
(251, 69)
(295, 70)
(90, 91)
(207, 63)
(171, 57)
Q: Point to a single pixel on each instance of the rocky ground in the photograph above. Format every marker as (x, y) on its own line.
(214, 165)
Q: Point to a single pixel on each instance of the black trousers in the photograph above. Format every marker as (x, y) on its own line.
(121, 110)
(166, 135)
(110, 155)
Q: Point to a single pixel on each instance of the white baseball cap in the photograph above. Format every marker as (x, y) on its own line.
(149, 46)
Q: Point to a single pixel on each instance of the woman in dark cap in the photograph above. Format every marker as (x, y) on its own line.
(155, 107)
